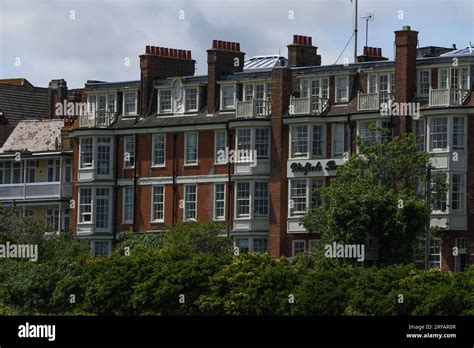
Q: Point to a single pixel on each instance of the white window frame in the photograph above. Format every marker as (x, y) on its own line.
(82, 164)
(165, 111)
(125, 138)
(186, 161)
(152, 210)
(230, 107)
(110, 145)
(309, 141)
(448, 134)
(135, 111)
(293, 246)
(94, 251)
(334, 128)
(186, 202)
(80, 213)
(215, 217)
(124, 203)
(418, 89)
(153, 139)
(337, 97)
(251, 198)
(309, 194)
(216, 155)
(186, 89)
(461, 193)
(109, 208)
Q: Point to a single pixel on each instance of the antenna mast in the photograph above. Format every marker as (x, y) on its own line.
(355, 32)
(369, 17)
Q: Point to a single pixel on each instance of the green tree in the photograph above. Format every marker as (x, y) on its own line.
(378, 195)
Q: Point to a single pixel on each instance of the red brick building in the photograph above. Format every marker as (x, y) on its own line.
(154, 152)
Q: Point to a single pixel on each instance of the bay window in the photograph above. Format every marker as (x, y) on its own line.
(102, 214)
(248, 139)
(458, 133)
(86, 152)
(338, 131)
(252, 199)
(104, 148)
(85, 205)
(438, 133)
(458, 192)
(305, 137)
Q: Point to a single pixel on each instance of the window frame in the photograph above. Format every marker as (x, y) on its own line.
(419, 89)
(186, 202)
(215, 192)
(186, 140)
(216, 155)
(126, 221)
(309, 141)
(129, 166)
(230, 107)
(124, 104)
(153, 204)
(293, 242)
(337, 97)
(153, 150)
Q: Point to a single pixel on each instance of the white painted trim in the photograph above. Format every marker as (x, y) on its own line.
(151, 207)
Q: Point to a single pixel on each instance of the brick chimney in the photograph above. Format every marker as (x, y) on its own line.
(406, 41)
(161, 62)
(371, 54)
(278, 186)
(57, 93)
(302, 52)
(223, 58)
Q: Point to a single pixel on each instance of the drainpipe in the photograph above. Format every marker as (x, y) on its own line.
(229, 181)
(350, 134)
(135, 178)
(175, 135)
(114, 215)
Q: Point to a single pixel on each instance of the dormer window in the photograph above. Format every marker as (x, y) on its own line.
(342, 88)
(165, 101)
(130, 103)
(191, 99)
(227, 97)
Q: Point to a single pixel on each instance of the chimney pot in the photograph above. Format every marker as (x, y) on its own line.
(219, 44)
(379, 52)
(189, 55)
(310, 41)
(406, 28)
(147, 50)
(214, 43)
(365, 53)
(237, 46)
(295, 39)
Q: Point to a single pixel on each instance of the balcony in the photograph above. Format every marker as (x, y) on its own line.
(447, 96)
(36, 190)
(99, 119)
(371, 101)
(308, 106)
(253, 108)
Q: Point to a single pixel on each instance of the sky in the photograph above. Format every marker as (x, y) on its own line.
(80, 40)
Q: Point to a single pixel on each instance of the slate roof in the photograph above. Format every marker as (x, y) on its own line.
(20, 101)
(34, 136)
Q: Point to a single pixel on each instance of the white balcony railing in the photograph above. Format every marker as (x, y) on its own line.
(308, 105)
(372, 101)
(447, 96)
(97, 119)
(253, 108)
(35, 190)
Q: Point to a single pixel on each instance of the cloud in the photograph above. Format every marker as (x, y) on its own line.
(99, 37)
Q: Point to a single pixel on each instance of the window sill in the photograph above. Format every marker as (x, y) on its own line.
(157, 221)
(159, 166)
(125, 168)
(191, 165)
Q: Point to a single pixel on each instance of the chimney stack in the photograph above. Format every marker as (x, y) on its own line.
(371, 54)
(161, 62)
(406, 41)
(302, 52)
(223, 58)
(57, 93)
